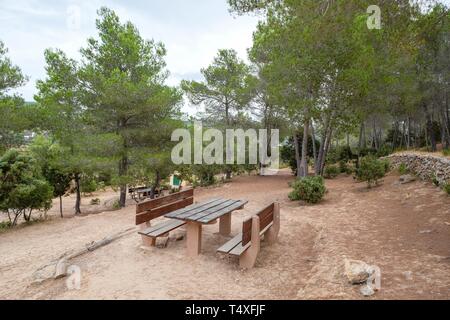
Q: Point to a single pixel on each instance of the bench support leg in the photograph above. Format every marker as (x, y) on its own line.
(248, 259)
(147, 241)
(271, 235)
(194, 238)
(225, 225)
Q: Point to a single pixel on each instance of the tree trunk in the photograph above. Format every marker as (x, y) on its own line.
(297, 154)
(78, 192)
(430, 129)
(123, 170)
(156, 185)
(408, 140)
(304, 160)
(322, 146)
(60, 207)
(326, 149)
(362, 137)
(313, 137)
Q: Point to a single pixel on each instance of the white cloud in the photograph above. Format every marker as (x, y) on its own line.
(192, 31)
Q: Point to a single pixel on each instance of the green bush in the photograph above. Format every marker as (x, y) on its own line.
(387, 165)
(309, 189)
(446, 152)
(95, 202)
(88, 185)
(402, 169)
(447, 188)
(371, 170)
(435, 181)
(5, 225)
(22, 187)
(331, 171)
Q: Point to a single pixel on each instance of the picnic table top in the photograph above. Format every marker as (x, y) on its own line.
(208, 211)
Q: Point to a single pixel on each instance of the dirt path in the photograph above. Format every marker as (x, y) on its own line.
(400, 228)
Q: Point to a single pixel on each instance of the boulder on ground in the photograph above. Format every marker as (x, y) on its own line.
(357, 272)
(162, 242)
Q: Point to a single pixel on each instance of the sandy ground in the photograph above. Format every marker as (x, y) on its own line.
(403, 229)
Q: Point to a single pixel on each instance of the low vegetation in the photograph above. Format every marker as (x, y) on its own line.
(308, 189)
(371, 170)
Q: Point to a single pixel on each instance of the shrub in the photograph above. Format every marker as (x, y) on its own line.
(309, 189)
(371, 170)
(402, 169)
(447, 188)
(116, 205)
(331, 171)
(5, 225)
(22, 187)
(88, 185)
(446, 152)
(95, 202)
(435, 181)
(387, 165)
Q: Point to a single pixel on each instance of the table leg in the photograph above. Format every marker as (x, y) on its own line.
(194, 238)
(225, 225)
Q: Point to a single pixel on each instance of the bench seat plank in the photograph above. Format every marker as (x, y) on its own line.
(238, 249)
(227, 247)
(162, 228)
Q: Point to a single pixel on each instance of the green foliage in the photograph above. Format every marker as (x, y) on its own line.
(4, 225)
(287, 151)
(371, 170)
(309, 189)
(88, 185)
(331, 171)
(446, 188)
(403, 169)
(345, 167)
(22, 187)
(95, 202)
(446, 152)
(13, 112)
(435, 181)
(116, 205)
(227, 90)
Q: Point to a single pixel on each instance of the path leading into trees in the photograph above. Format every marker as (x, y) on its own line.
(404, 229)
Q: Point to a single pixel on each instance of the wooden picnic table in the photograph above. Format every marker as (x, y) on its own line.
(205, 213)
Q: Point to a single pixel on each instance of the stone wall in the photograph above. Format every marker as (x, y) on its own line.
(424, 166)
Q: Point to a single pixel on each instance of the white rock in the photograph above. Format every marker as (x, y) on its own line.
(357, 272)
(162, 242)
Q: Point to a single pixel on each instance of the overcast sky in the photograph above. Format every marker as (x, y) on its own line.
(192, 30)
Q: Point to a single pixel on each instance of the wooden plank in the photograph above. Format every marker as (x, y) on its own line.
(227, 247)
(241, 247)
(158, 212)
(154, 203)
(246, 231)
(265, 212)
(266, 221)
(185, 213)
(161, 225)
(265, 216)
(216, 208)
(167, 228)
(211, 217)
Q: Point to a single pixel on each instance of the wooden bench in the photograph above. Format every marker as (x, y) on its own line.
(247, 244)
(148, 210)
